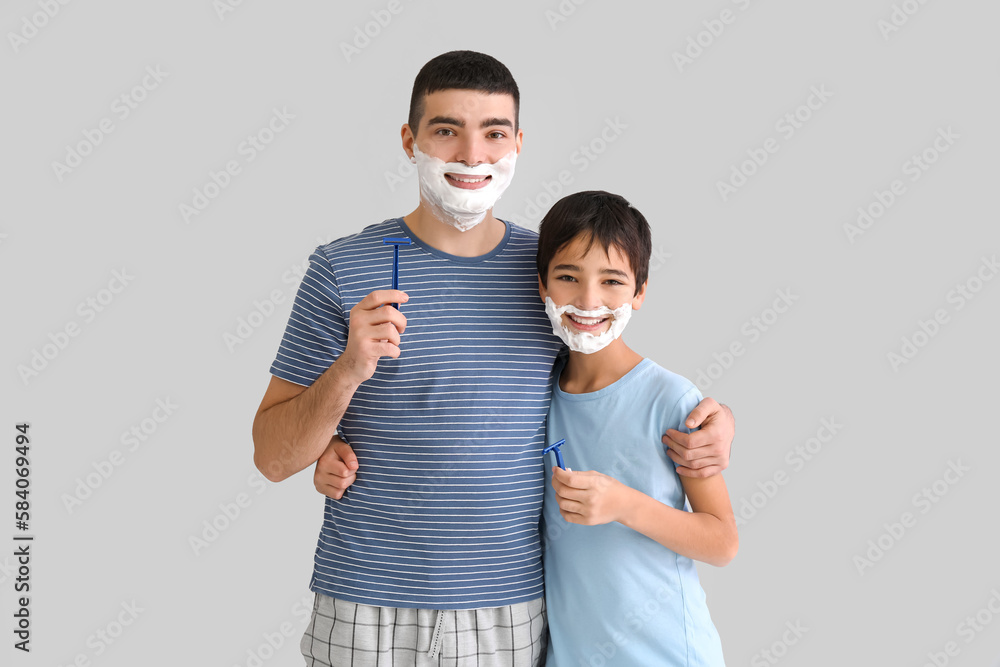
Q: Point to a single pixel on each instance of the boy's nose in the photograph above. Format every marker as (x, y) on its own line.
(589, 299)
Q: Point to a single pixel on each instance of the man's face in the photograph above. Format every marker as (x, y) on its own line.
(466, 126)
(588, 280)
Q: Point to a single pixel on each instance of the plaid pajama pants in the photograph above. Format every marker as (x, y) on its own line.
(346, 634)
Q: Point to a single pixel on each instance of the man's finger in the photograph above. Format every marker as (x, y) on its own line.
(699, 472)
(679, 440)
(383, 297)
(685, 461)
(701, 412)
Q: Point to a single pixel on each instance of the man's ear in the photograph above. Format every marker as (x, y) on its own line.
(518, 139)
(640, 297)
(408, 139)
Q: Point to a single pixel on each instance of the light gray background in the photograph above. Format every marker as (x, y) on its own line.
(721, 264)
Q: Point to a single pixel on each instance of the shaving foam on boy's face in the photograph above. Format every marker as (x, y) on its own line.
(464, 202)
(585, 341)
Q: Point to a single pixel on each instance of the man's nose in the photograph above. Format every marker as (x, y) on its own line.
(472, 150)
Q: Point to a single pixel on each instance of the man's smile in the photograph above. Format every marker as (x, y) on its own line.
(468, 181)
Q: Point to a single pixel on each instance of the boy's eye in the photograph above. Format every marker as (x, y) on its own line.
(567, 278)
(612, 281)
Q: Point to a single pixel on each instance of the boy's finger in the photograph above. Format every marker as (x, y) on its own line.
(346, 454)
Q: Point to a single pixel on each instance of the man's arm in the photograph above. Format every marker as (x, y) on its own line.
(294, 424)
(706, 451)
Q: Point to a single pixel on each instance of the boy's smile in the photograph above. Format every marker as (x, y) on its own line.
(592, 325)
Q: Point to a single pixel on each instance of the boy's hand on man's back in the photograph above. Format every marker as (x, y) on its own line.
(706, 451)
(336, 469)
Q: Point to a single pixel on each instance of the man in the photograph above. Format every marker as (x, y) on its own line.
(443, 407)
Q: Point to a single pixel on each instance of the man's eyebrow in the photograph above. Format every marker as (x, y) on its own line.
(446, 120)
(503, 122)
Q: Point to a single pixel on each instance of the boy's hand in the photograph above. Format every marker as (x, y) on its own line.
(588, 498)
(705, 452)
(336, 469)
(374, 333)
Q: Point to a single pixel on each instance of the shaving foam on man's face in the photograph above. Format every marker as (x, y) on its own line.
(458, 194)
(587, 333)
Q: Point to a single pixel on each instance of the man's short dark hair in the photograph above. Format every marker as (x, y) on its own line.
(462, 70)
(603, 217)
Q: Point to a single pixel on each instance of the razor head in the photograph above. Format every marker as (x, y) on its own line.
(391, 240)
(554, 448)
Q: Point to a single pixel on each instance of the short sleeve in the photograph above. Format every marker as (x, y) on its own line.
(316, 334)
(682, 408)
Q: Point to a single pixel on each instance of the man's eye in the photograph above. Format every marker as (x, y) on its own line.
(497, 135)
(445, 131)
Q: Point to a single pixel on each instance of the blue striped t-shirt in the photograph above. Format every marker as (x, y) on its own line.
(444, 512)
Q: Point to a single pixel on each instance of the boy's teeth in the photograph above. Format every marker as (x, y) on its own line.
(586, 320)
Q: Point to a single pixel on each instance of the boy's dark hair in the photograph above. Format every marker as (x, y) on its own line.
(605, 218)
(462, 70)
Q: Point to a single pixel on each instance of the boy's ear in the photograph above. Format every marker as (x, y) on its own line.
(542, 292)
(640, 297)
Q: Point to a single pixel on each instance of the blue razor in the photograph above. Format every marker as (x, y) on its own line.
(554, 448)
(395, 243)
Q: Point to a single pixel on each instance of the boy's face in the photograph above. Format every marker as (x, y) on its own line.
(467, 126)
(589, 280)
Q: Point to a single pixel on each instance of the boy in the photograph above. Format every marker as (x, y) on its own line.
(445, 405)
(620, 579)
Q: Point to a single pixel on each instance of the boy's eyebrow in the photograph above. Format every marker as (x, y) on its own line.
(489, 122)
(574, 267)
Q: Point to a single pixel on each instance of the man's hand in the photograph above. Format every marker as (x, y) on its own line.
(374, 333)
(705, 452)
(336, 469)
(588, 498)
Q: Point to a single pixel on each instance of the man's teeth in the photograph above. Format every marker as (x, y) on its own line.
(470, 179)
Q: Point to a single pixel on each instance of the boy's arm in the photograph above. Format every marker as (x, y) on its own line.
(708, 533)
(705, 452)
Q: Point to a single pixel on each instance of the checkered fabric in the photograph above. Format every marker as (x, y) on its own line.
(347, 634)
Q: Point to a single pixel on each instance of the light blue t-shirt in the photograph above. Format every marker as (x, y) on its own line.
(614, 596)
